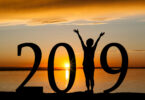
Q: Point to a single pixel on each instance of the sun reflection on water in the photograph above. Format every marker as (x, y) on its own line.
(67, 74)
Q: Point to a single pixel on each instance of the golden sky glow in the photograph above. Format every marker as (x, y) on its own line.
(48, 22)
(38, 12)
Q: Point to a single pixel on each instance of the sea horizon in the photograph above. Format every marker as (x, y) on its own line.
(56, 68)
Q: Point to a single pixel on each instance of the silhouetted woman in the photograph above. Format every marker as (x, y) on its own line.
(88, 62)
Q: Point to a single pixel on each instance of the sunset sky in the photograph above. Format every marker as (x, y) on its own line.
(48, 22)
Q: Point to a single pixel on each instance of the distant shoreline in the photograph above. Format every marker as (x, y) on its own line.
(42, 68)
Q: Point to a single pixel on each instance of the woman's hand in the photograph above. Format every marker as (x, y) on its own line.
(76, 30)
(102, 33)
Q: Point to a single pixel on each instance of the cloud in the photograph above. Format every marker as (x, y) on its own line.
(43, 21)
(40, 12)
(139, 50)
(82, 22)
(142, 20)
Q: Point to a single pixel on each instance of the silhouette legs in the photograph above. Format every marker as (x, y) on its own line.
(92, 83)
(87, 84)
(89, 74)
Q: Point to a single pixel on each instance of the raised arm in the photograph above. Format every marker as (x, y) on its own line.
(101, 34)
(77, 31)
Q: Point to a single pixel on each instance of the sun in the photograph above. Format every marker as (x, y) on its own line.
(67, 65)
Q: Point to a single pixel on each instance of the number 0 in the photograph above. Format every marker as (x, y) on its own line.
(51, 68)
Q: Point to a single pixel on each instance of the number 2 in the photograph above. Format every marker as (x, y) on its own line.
(38, 54)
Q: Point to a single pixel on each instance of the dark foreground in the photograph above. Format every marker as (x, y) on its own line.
(72, 95)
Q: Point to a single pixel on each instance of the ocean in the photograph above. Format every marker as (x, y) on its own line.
(134, 80)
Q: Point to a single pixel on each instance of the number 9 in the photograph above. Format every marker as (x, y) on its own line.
(122, 70)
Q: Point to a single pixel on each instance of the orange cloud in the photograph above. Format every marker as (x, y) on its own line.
(39, 12)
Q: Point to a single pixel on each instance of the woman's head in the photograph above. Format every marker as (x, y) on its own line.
(89, 42)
